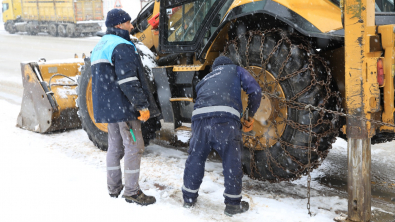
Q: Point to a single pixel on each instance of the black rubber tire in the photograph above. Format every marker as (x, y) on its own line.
(98, 137)
(9, 27)
(70, 30)
(298, 60)
(62, 30)
(53, 30)
(149, 129)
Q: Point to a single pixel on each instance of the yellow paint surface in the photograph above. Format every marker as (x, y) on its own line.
(65, 10)
(13, 11)
(323, 14)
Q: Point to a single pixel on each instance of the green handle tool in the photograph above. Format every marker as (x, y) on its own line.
(131, 132)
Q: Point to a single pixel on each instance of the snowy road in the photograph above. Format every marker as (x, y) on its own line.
(62, 176)
(22, 47)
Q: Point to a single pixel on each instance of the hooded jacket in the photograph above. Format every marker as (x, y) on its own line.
(219, 92)
(119, 85)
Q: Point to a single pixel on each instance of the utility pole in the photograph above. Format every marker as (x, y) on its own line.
(359, 25)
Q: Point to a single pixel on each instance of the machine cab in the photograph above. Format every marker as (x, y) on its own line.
(188, 23)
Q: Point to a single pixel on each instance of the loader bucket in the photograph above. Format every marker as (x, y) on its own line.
(49, 95)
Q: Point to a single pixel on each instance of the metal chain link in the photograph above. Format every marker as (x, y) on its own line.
(308, 165)
(253, 143)
(304, 106)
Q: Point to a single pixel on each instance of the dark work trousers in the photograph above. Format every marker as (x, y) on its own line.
(121, 144)
(224, 136)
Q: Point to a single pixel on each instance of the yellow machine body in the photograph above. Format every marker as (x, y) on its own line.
(387, 33)
(323, 14)
(11, 10)
(368, 103)
(66, 11)
(38, 112)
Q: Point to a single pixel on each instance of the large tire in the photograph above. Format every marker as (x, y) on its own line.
(9, 27)
(97, 133)
(284, 54)
(98, 136)
(53, 29)
(62, 30)
(70, 30)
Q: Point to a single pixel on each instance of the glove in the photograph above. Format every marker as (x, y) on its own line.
(144, 115)
(247, 124)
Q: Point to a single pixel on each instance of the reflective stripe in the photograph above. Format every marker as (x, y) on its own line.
(211, 109)
(232, 196)
(189, 190)
(132, 171)
(114, 168)
(127, 80)
(100, 61)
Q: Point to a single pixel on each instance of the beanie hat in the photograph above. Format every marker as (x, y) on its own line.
(222, 60)
(116, 17)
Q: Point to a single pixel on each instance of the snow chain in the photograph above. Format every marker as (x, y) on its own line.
(308, 165)
(303, 168)
(252, 142)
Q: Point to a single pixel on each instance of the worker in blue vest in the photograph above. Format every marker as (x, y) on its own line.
(216, 125)
(121, 98)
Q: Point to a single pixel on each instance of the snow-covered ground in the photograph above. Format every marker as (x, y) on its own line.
(62, 177)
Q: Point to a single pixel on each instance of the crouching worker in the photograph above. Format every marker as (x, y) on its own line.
(216, 125)
(122, 99)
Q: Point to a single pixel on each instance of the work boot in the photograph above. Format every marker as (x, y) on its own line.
(115, 195)
(140, 198)
(190, 205)
(231, 210)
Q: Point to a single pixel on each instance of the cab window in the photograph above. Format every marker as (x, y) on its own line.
(5, 7)
(185, 21)
(385, 5)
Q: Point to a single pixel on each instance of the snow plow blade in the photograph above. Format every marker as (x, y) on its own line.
(49, 94)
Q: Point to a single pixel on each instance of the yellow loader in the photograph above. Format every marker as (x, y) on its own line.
(294, 48)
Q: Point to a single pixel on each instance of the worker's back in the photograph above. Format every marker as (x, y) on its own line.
(221, 87)
(219, 92)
